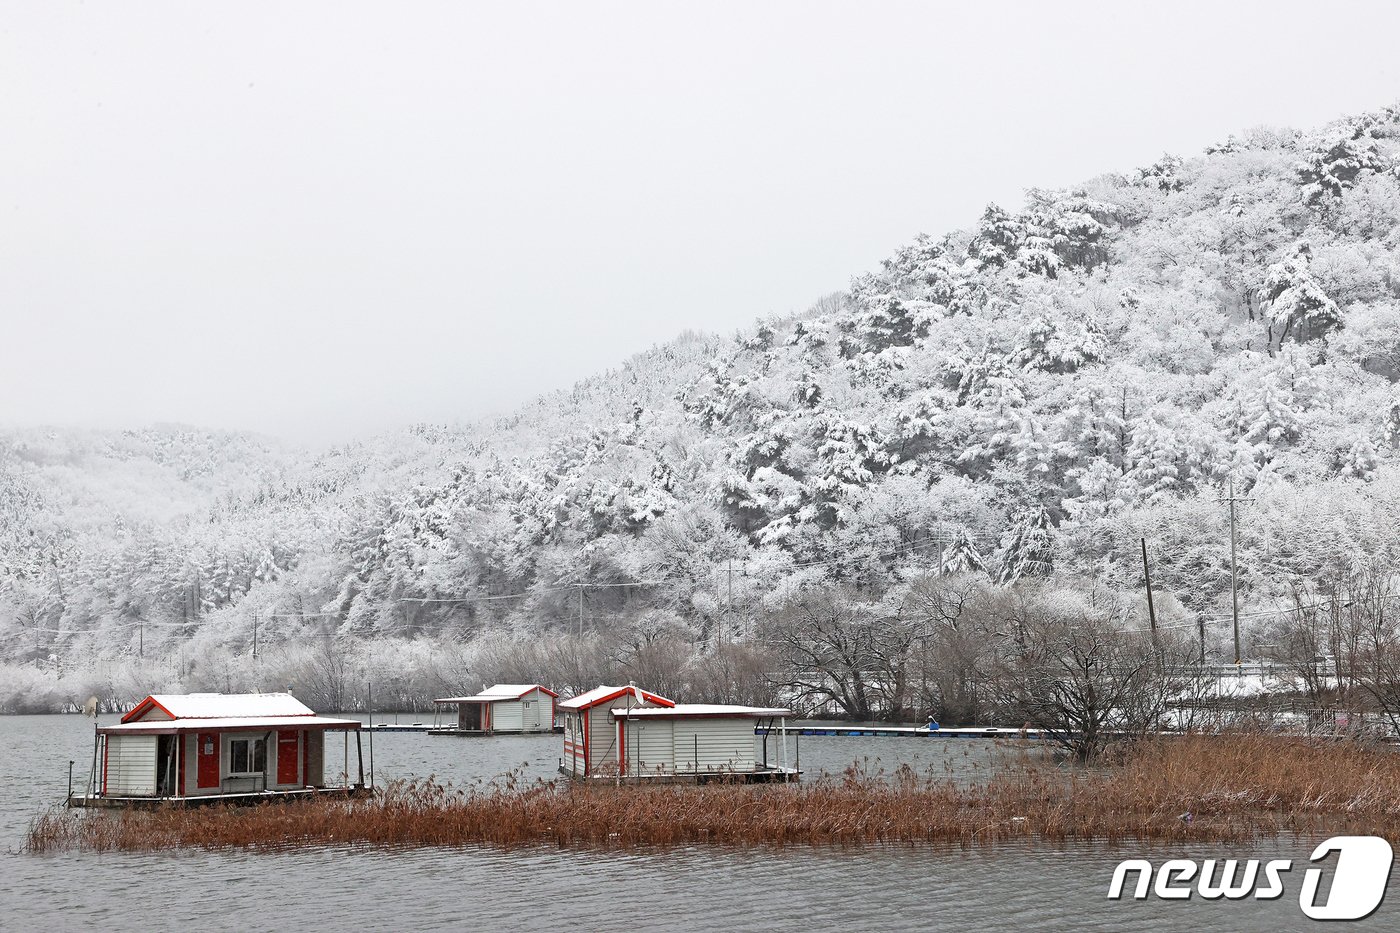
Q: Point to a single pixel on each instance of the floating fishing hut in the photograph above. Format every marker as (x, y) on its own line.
(210, 747)
(616, 732)
(504, 708)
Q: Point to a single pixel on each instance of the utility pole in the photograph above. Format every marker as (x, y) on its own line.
(255, 634)
(723, 620)
(1335, 638)
(1234, 573)
(141, 638)
(1151, 609)
(580, 610)
(729, 610)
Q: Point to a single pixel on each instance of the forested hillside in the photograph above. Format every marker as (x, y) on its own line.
(1024, 398)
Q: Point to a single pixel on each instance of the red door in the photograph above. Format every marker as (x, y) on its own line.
(207, 757)
(287, 756)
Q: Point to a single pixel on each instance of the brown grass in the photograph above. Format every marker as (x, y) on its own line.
(1233, 787)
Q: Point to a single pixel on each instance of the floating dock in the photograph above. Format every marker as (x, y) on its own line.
(109, 802)
(452, 730)
(915, 732)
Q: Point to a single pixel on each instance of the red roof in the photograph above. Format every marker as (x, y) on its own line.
(600, 695)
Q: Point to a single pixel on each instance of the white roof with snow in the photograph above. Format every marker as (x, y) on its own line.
(220, 706)
(700, 709)
(498, 692)
(217, 724)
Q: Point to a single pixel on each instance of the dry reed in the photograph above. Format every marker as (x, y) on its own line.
(1224, 788)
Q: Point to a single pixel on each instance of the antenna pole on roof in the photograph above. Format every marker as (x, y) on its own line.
(626, 721)
(92, 775)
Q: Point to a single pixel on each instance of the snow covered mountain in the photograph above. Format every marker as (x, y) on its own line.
(1028, 396)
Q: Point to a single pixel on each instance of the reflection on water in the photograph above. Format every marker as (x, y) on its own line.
(1005, 887)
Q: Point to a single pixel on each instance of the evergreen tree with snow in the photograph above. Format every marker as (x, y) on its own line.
(1027, 549)
(1294, 298)
(962, 556)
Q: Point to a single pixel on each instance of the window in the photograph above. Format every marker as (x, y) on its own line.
(246, 756)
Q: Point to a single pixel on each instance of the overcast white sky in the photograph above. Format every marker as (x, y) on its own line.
(320, 220)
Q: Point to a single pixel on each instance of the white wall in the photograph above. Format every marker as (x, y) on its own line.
(602, 737)
(649, 746)
(720, 744)
(131, 765)
(573, 734)
(507, 716)
(538, 708)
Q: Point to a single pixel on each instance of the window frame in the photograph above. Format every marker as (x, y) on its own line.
(255, 752)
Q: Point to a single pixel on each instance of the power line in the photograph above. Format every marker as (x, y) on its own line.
(1260, 612)
(524, 593)
(104, 628)
(895, 552)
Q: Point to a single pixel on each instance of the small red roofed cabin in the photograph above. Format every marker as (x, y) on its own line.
(590, 732)
(202, 747)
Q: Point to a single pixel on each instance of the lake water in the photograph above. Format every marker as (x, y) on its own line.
(1007, 887)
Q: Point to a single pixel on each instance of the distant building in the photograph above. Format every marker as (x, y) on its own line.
(200, 747)
(504, 708)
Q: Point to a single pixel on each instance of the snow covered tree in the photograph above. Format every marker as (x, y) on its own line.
(1163, 175)
(962, 556)
(1360, 460)
(1294, 298)
(998, 239)
(1335, 159)
(1027, 549)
